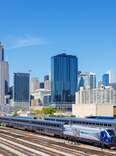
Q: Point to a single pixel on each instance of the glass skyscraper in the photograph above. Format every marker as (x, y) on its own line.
(21, 87)
(64, 78)
(105, 79)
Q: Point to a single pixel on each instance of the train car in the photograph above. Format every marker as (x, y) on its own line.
(97, 136)
(26, 117)
(33, 121)
(41, 126)
(102, 117)
(88, 122)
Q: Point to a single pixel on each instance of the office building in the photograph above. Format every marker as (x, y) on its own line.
(98, 101)
(47, 82)
(110, 76)
(34, 84)
(21, 95)
(100, 84)
(41, 85)
(87, 80)
(105, 79)
(4, 78)
(41, 97)
(113, 85)
(64, 80)
(1, 52)
(80, 80)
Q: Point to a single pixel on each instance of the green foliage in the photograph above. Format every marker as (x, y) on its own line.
(45, 111)
(14, 114)
(2, 125)
(48, 110)
(73, 116)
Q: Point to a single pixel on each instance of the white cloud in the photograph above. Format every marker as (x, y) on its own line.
(25, 41)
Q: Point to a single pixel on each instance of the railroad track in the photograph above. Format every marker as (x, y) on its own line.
(15, 142)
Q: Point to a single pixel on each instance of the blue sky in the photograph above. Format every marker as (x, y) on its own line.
(35, 30)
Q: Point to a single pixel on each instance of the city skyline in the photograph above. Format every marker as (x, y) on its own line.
(40, 30)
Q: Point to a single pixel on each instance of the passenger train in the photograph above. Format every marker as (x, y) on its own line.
(102, 117)
(94, 135)
(40, 126)
(88, 122)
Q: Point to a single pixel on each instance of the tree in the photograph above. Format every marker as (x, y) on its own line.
(45, 111)
(48, 110)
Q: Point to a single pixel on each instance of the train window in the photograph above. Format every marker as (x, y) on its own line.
(49, 124)
(111, 132)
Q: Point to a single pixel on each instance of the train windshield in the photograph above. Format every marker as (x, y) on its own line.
(111, 132)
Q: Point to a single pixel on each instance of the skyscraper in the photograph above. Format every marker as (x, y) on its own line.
(1, 52)
(4, 77)
(21, 89)
(92, 80)
(34, 84)
(87, 80)
(111, 76)
(105, 79)
(64, 80)
(47, 82)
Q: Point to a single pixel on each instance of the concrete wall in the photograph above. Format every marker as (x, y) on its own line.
(104, 110)
(82, 110)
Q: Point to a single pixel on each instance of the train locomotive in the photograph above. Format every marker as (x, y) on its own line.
(97, 136)
(92, 135)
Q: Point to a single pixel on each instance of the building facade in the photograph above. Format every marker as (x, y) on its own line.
(4, 78)
(42, 97)
(34, 84)
(64, 80)
(87, 80)
(1, 52)
(99, 101)
(105, 79)
(41, 85)
(21, 90)
(47, 82)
